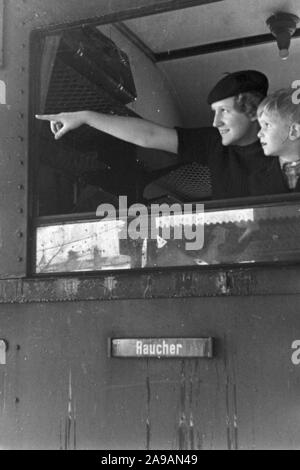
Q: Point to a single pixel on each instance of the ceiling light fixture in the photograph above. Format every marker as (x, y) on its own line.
(283, 26)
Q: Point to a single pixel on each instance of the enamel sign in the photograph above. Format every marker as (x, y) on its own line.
(162, 347)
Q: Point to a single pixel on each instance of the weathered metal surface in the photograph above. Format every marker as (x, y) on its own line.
(1, 31)
(59, 388)
(160, 284)
(13, 136)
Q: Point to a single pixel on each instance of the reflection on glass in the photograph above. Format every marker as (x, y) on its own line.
(80, 247)
(234, 236)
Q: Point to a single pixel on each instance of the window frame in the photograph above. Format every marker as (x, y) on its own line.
(34, 84)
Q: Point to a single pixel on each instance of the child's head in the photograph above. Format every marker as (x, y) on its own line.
(279, 118)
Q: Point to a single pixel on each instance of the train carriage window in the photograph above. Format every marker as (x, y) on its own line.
(160, 68)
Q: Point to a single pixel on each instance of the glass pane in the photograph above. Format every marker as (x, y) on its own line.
(250, 235)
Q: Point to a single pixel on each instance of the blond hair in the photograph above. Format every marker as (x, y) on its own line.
(282, 103)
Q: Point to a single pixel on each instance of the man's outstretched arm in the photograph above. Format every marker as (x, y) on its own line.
(134, 130)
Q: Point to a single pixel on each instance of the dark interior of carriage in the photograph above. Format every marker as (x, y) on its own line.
(133, 68)
(84, 69)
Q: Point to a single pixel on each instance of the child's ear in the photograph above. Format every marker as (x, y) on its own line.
(294, 132)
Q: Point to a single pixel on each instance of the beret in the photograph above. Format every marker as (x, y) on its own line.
(239, 82)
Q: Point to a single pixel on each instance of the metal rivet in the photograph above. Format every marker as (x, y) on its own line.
(20, 186)
(20, 234)
(21, 115)
(21, 139)
(19, 259)
(21, 210)
(21, 162)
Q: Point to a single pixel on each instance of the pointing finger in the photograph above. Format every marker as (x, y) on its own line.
(46, 117)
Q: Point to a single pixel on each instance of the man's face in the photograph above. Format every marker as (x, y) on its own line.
(235, 128)
(274, 134)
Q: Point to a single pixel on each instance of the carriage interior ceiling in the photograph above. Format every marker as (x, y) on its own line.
(191, 78)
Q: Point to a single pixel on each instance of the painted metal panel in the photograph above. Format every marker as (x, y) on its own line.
(13, 137)
(60, 389)
(175, 284)
(1, 31)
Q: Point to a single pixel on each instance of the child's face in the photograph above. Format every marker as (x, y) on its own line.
(274, 134)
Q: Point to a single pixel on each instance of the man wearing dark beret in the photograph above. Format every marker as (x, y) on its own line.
(230, 148)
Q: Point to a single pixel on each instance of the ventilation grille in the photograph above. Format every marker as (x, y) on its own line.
(71, 91)
(191, 181)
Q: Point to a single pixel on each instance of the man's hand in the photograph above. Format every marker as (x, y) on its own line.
(64, 122)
